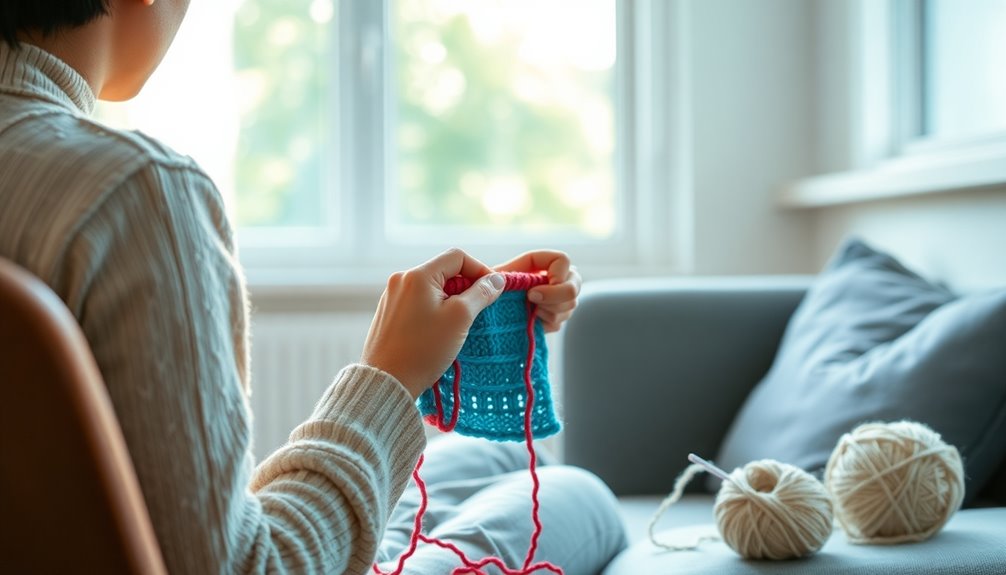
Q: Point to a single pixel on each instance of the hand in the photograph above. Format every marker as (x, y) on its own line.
(417, 330)
(556, 300)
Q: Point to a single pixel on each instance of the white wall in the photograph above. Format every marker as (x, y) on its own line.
(772, 96)
(751, 89)
(957, 238)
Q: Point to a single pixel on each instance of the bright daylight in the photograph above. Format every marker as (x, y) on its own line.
(498, 115)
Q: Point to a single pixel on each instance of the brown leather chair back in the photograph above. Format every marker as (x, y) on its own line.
(69, 498)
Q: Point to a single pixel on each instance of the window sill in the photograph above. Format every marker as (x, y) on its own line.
(958, 168)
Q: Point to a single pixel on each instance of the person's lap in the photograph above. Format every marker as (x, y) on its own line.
(480, 500)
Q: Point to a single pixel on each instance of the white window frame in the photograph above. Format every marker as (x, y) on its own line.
(887, 157)
(356, 252)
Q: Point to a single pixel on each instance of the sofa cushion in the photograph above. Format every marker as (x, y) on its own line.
(972, 543)
(637, 512)
(874, 341)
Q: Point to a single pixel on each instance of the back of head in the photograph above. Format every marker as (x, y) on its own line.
(45, 16)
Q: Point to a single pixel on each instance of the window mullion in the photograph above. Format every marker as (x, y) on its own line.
(361, 128)
(908, 97)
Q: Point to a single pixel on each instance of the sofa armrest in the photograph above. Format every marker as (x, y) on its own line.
(653, 369)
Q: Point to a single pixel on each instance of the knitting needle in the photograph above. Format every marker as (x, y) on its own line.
(710, 467)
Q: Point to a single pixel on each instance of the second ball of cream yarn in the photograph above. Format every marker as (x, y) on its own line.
(894, 482)
(772, 510)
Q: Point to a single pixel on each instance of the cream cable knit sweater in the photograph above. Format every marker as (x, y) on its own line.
(134, 239)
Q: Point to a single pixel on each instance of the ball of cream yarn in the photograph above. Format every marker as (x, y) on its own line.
(894, 482)
(772, 510)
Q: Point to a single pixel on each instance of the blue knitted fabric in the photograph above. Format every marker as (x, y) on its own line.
(492, 376)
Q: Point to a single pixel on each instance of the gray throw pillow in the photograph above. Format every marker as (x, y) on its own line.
(872, 341)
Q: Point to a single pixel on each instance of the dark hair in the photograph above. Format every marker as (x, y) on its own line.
(46, 16)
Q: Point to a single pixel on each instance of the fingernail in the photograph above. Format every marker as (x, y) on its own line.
(534, 297)
(497, 281)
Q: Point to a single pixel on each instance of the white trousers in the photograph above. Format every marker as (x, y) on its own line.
(480, 500)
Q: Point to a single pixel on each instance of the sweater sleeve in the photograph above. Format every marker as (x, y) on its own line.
(152, 277)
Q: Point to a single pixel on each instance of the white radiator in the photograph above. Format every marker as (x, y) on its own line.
(295, 357)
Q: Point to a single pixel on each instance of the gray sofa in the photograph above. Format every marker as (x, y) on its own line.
(655, 369)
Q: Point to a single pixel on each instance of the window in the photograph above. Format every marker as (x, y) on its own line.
(916, 101)
(964, 87)
(284, 70)
(365, 131)
(502, 117)
(945, 80)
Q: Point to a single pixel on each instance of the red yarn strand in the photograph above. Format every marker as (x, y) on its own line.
(417, 525)
(515, 281)
(519, 281)
(438, 419)
(528, 436)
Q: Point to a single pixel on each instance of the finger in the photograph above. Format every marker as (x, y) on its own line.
(560, 307)
(553, 317)
(555, 262)
(454, 262)
(554, 294)
(557, 291)
(480, 295)
(546, 315)
(550, 327)
(558, 270)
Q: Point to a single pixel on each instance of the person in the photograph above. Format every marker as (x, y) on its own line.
(133, 237)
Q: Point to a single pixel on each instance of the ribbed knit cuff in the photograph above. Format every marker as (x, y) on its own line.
(371, 399)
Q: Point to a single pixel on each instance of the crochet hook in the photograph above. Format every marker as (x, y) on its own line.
(708, 465)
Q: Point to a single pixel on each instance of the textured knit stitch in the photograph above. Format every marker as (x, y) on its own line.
(491, 368)
(133, 237)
